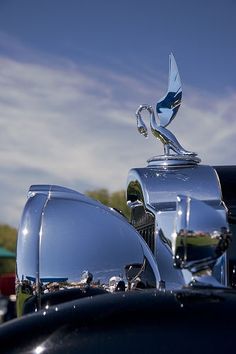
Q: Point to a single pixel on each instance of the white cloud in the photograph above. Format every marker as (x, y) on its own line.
(75, 126)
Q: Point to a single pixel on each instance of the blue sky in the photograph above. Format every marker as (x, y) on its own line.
(72, 74)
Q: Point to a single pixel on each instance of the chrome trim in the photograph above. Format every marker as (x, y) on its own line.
(154, 186)
(154, 189)
(201, 235)
(64, 233)
(157, 189)
(173, 160)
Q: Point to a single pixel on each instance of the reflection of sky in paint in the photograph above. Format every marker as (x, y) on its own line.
(72, 76)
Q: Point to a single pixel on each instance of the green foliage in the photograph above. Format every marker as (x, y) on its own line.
(100, 194)
(7, 240)
(115, 200)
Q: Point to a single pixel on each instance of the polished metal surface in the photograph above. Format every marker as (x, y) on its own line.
(173, 160)
(153, 190)
(168, 106)
(166, 109)
(66, 239)
(157, 189)
(200, 237)
(156, 186)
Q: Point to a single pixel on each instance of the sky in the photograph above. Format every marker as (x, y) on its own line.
(73, 72)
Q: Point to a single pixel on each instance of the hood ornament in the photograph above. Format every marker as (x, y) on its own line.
(166, 109)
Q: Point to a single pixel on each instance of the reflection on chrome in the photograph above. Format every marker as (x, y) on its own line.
(166, 109)
(168, 106)
(69, 244)
(152, 192)
(74, 242)
(201, 235)
(39, 349)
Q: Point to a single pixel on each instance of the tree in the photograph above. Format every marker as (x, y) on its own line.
(115, 200)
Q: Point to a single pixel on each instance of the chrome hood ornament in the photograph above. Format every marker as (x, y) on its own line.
(176, 203)
(166, 110)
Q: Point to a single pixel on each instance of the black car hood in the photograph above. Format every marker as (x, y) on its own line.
(135, 322)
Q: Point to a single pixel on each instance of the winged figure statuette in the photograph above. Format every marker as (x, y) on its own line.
(166, 110)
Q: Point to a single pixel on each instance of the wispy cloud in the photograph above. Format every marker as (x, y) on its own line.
(66, 124)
